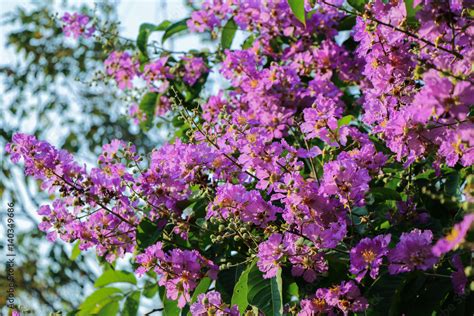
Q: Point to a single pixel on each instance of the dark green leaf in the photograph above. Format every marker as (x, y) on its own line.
(347, 23)
(130, 307)
(150, 290)
(265, 294)
(226, 281)
(451, 187)
(228, 34)
(174, 29)
(144, 33)
(297, 7)
(357, 4)
(115, 276)
(383, 194)
(148, 233)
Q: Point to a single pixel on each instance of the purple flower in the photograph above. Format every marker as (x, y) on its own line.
(75, 25)
(368, 254)
(344, 178)
(413, 252)
(270, 253)
(210, 303)
(248, 206)
(345, 298)
(122, 67)
(179, 270)
(194, 68)
(455, 237)
(314, 306)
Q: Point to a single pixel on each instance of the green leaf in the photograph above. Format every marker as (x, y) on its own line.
(248, 42)
(265, 294)
(115, 276)
(148, 233)
(142, 39)
(202, 287)
(239, 296)
(345, 120)
(297, 7)
(226, 281)
(109, 309)
(148, 106)
(291, 291)
(359, 5)
(75, 251)
(170, 308)
(411, 10)
(451, 187)
(130, 307)
(384, 295)
(228, 33)
(383, 194)
(174, 28)
(144, 33)
(97, 300)
(347, 23)
(150, 290)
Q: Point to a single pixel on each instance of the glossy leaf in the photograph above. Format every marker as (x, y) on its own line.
(144, 33)
(148, 233)
(265, 294)
(109, 309)
(115, 276)
(297, 7)
(358, 4)
(130, 307)
(150, 290)
(228, 34)
(97, 300)
(239, 296)
(75, 251)
(202, 287)
(174, 29)
(148, 106)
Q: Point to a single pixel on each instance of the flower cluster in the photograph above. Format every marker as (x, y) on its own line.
(77, 25)
(211, 304)
(306, 260)
(179, 270)
(249, 206)
(343, 298)
(122, 67)
(84, 211)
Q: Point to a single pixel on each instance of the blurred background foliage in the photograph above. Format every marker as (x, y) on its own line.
(45, 92)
